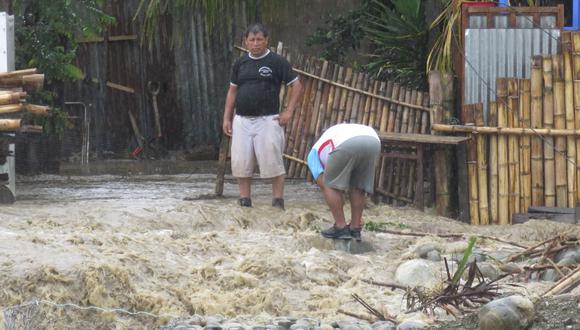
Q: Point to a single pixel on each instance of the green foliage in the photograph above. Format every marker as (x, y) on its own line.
(380, 226)
(339, 35)
(46, 33)
(398, 36)
(463, 263)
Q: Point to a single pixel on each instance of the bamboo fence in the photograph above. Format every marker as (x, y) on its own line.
(527, 152)
(334, 94)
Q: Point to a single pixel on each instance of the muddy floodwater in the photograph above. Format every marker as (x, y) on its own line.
(130, 241)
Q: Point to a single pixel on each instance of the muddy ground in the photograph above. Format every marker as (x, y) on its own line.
(130, 241)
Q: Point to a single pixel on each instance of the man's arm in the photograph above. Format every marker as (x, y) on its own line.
(294, 92)
(229, 109)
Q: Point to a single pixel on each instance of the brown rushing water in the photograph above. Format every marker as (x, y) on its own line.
(131, 241)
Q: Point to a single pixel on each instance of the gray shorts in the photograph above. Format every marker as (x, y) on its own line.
(257, 140)
(352, 164)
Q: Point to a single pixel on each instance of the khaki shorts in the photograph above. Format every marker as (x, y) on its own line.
(352, 164)
(257, 140)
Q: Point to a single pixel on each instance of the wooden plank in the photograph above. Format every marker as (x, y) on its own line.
(421, 138)
(518, 218)
(555, 210)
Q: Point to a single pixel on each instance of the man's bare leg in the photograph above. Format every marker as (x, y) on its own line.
(357, 205)
(278, 186)
(245, 186)
(335, 200)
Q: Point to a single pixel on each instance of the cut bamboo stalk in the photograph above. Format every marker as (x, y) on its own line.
(377, 106)
(385, 107)
(344, 95)
(513, 148)
(481, 150)
(493, 169)
(468, 111)
(18, 73)
(502, 158)
(39, 110)
(356, 102)
(570, 121)
(10, 125)
(350, 96)
(505, 130)
(31, 82)
(575, 68)
(336, 72)
(365, 102)
(525, 146)
(336, 98)
(548, 107)
(11, 108)
(12, 98)
(393, 108)
(370, 107)
(537, 143)
(560, 123)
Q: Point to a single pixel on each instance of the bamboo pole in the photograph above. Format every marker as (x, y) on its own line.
(537, 143)
(575, 68)
(354, 97)
(393, 108)
(571, 160)
(11, 108)
(493, 168)
(365, 102)
(505, 130)
(370, 106)
(18, 73)
(39, 110)
(525, 146)
(416, 129)
(502, 158)
(385, 107)
(376, 107)
(481, 150)
(322, 101)
(560, 142)
(12, 98)
(548, 107)
(344, 95)
(468, 111)
(295, 141)
(332, 97)
(10, 125)
(513, 148)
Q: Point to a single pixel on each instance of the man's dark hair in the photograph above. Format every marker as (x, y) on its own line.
(257, 28)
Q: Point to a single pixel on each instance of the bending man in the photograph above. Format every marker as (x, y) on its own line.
(343, 159)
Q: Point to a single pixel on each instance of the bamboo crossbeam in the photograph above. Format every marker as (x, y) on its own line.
(504, 130)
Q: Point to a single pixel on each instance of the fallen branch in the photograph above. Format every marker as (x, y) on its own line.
(367, 318)
(530, 249)
(388, 285)
(419, 234)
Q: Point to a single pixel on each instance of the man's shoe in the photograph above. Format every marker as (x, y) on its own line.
(335, 232)
(355, 233)
(245, 202)
(278, 202)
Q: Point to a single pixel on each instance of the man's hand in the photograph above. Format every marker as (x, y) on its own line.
(284, 118)
(227, 127)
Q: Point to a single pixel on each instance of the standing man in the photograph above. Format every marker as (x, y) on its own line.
(257, 128)
(344, 158)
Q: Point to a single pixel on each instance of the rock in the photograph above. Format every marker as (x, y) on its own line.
(301, 327)
(489, 270)
(550, 275)
(283, 322)
(212, 326)
(219, 319)
(419, 272)
(308, 322)
(434, 255)
(455, 247)
(412, 324)
(326, 326)
(384, 325)
(274, 327)
(511, 268)
(422, 250)
(567, 261)
(513, 312)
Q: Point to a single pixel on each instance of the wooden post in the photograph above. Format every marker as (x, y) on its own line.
(441, 103)
(221, 168)
(537, 143)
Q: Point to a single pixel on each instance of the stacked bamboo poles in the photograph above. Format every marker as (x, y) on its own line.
(335, 94)
(571, 146)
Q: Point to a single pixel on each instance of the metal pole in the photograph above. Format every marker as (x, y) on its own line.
(86, 135)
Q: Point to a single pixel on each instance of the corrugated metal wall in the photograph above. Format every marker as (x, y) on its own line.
(193, 78)
(503, 52)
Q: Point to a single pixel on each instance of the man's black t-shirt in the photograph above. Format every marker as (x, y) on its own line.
(258, 81)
